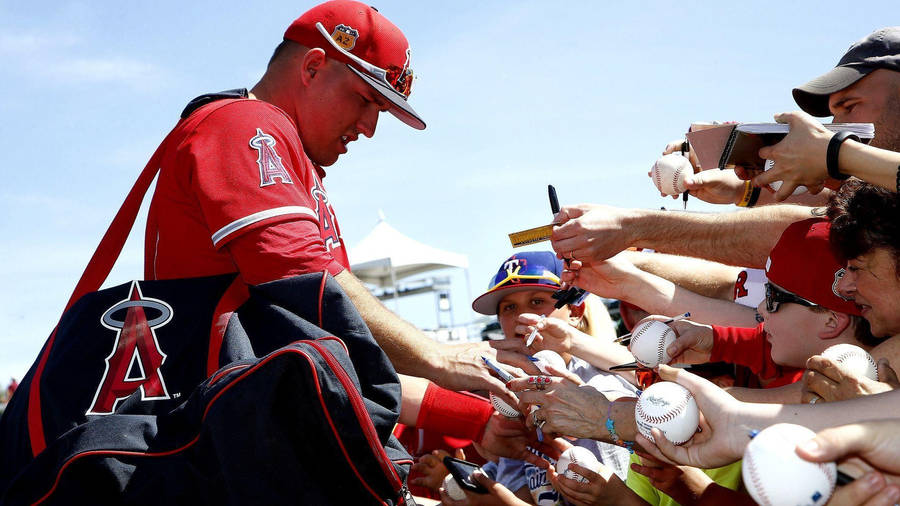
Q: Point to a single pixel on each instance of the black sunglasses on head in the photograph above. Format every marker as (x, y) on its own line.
(775, 296)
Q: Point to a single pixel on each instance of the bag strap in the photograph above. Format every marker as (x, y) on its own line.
(96, 272)
(110, 247)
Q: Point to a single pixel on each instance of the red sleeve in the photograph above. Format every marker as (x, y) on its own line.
(749, 347)
(280, 251)
(744, 346)
(249, 170)
(456, 414)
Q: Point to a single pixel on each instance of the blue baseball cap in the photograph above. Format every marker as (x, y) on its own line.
(530, 270)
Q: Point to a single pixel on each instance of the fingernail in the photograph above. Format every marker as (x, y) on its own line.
(893, 494)
(811, 447)
(872, 479)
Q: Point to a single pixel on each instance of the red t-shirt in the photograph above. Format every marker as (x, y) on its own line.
(749, 347)
(237, 193)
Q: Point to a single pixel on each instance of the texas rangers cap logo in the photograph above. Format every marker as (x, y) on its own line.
(345, 36)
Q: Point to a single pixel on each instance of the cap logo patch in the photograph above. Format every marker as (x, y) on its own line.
(345, 36)
(513, 266)
(838, 275)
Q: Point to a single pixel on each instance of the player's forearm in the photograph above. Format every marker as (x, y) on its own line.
(742, 238)
(410, 351)
(871, 164)
(412, 390)
(661, 296)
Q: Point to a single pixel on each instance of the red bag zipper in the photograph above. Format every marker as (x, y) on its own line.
(359, 410)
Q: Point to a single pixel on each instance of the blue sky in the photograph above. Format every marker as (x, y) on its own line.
(516, 95)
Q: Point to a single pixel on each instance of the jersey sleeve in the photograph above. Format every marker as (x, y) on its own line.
(744, 346)
(281, 250)
(248, 170)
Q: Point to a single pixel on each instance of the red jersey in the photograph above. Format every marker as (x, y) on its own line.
(749, 347)
(237, 193)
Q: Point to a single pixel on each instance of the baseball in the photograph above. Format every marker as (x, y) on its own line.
(668, 173)
(853, 359)
(576, 455)
(545, 357)
(649, 341)
(503, 408)
(775, 475)
(670, 408)
(453, 489)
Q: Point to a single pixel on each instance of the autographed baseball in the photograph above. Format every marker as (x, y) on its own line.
(577, 455)
(503, 408)
(649, 341)
(549, 357)
(853, 359)
(775, 475)
(670, 408)
(453, 489)
(668, 173)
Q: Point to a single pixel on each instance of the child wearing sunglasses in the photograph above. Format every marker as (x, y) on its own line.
(525, 284)
(802, 315)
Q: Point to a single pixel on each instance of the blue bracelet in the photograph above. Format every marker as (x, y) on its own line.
(611, 428)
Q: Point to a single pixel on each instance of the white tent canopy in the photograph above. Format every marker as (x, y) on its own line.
(386, 255)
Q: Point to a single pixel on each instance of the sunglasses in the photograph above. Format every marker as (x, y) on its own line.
(396, 78)
(775, 296)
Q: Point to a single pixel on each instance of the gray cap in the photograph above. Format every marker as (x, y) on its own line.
(879, 50)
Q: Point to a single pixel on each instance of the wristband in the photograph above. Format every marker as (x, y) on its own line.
(834, 147)
(611, 428)
(898, 179)
(748, 190)
(455, 414)
(754, 196)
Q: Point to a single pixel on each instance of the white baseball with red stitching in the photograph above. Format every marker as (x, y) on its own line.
(503, 408)
(576, 455)
(670, 408)
(775, 475)
(853, 359)
(668, 173)
(649, 341)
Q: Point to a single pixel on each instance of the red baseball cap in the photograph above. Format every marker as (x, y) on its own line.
(804, 264)
(373, 47)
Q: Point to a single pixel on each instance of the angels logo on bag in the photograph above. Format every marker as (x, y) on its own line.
(136, 358)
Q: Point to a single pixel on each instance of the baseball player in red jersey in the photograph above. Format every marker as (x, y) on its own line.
(240, 187)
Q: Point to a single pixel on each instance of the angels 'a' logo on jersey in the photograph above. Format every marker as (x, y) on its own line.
(326, 217)
(136, 359)
(270, 166)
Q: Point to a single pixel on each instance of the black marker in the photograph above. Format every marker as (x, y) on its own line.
(685, 146)
(554, 201)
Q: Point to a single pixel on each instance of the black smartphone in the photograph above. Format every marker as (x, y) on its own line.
(462, 473)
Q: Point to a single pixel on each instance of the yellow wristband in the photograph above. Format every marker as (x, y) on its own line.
(748, 192)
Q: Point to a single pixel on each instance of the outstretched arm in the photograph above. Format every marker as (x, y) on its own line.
(592, 233)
